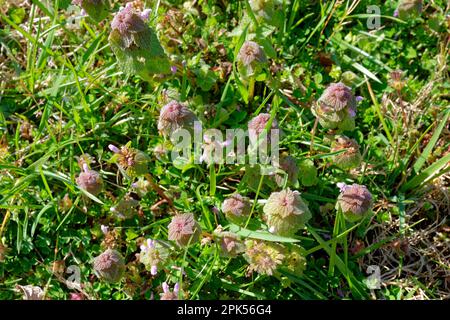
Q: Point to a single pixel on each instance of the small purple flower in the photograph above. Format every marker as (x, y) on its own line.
(170, 295)
(90, 180)
(104, 229)
(173, 69)
(184, 229)
(113, 148)
(109, 266)
(145, 15)
(341, 186)
(174, 116)
(395, 13)
(355, 201)
(153, 255)
(153, 270)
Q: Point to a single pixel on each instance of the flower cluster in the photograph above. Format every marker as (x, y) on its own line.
(132, 162)
(153, 255)
(351, 157)
(251, 59)
(184, 230)
(286, 212)
(336, 108)
(263, 257)
(237, 208)
(355, 201)
(90, 180)
(109, 266)
(174, 116)
(170, 295)
(136, 45)
(229, 243)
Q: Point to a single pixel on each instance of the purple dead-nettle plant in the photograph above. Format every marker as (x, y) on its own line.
(96, 9)
(213, 149)
(257, 125)
(184, 229)
(336, 108)
(170, 295)
(229, 243)
(263, 143)
(132, 162)
(109, 266)
(237, 208)
(90, 181)
(355, 201)
(263, 257)
(408, 9)
(153, 255)
(286, 212)
(174, 116)
(351, 157)
(251, 59)
(126, 208)
(136, 45)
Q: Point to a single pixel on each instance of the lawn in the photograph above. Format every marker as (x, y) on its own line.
(196, 150)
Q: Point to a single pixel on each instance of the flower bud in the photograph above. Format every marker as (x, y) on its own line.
(174, 116)
(263, 257)
(237, 208)
(256, 128)
(396, 80)
(184, 230)
(336, 108)
(109, 266)
(132, 162)
(90, 180)
(96, 9)
(355, 201)
(286, 212)
(136, 45)
(349, 159)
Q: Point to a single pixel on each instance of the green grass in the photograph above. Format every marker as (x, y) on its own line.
(63, 94)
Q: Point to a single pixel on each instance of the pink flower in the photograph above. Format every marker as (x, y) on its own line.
(184, 229)
(170, 295)
(76, 296)
(90, 180)
(174, 116)
(236, 208)
(250, 53)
